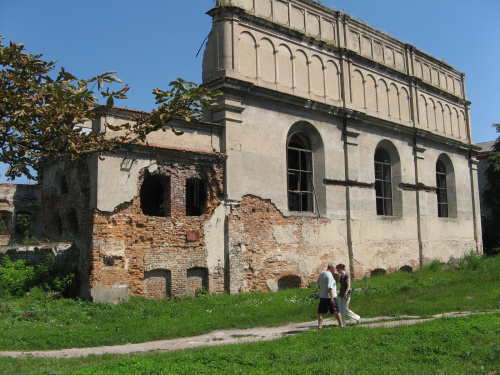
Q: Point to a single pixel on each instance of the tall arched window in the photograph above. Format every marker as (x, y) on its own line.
(383, 182)
(300, 173)
(441, 189)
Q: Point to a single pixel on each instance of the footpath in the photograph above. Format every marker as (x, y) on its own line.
(227, 337)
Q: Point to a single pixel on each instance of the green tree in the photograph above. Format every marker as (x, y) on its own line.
(40, 111)
(491, 195)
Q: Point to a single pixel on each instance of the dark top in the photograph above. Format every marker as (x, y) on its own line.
(343, 285)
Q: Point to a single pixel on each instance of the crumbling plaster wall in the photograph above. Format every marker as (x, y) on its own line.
(16, 199)
(265, 246)
(295, 65)
(67, 214)
(256, 165)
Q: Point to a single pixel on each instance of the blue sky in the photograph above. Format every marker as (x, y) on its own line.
(151, 42)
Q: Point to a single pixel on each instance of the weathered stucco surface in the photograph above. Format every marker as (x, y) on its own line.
(285, 68)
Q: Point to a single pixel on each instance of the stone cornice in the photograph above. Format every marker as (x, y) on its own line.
(238, 88)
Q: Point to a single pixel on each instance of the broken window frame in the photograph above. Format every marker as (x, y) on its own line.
(300, 174)
(196, 196)
(383, 182)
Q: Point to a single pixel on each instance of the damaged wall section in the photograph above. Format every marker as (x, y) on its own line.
(155, 245)
(268, 251)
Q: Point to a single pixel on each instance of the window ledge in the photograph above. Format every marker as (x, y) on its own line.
(302, 214)
(389, 217)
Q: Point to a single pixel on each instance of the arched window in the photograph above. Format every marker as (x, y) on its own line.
(5, 223)
(441, 189)
(195, 196)
(23, 224)
(383, 182)
(155, 196)
(300, 173)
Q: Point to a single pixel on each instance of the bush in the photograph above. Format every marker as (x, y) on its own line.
(470, 262)
(435, 265)
(17, 278)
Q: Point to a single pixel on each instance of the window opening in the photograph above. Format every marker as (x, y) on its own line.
(5, 222)
(289, 282)
(441, 189)
(195, 196)
(72, 222)
(155, 196)
(64, 185)
(23, 224)
(300, 174)
(58, 225)
(383, 182)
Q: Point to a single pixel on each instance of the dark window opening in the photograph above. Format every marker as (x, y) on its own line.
(196, 197)
(58, 225)
(72, 224)
(378, 272)
(5, 222)
(289, 282)
(383, 182)
(300, 174)
(23, 224)
(441, 189)
(64, 185)
(155, 196)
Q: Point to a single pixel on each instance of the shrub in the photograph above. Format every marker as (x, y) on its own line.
(435, 265)
(16, 278)
(470, 262)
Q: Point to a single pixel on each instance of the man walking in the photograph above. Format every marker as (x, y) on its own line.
(327, 296)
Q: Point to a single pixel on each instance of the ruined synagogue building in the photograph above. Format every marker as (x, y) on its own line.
(332, 142)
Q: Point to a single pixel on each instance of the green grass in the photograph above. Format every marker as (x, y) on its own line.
(34, 323)
(469, 345)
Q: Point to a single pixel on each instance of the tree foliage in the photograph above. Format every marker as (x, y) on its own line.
(40, 111)
(491, 194)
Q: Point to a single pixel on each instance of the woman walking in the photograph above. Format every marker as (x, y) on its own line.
(345, 295)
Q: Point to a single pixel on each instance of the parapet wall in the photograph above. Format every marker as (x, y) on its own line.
(301, 48)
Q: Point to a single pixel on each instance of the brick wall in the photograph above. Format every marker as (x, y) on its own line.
(266, 246)
(131, 249)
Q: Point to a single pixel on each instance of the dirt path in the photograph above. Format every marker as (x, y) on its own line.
(223, 337)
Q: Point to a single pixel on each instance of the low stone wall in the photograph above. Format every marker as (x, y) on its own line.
(64, 252)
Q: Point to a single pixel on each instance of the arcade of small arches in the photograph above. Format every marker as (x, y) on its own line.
(320, 76)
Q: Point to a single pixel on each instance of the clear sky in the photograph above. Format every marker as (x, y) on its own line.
(151, 42)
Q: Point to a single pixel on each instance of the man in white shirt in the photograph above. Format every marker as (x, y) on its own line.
(327, 296)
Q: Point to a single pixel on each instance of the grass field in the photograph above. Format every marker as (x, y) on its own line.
(445, 346)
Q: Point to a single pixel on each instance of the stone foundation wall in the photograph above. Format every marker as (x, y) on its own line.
(65, 253)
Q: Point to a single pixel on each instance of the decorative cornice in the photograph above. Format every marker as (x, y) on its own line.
(348, 183)
(417, 187)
